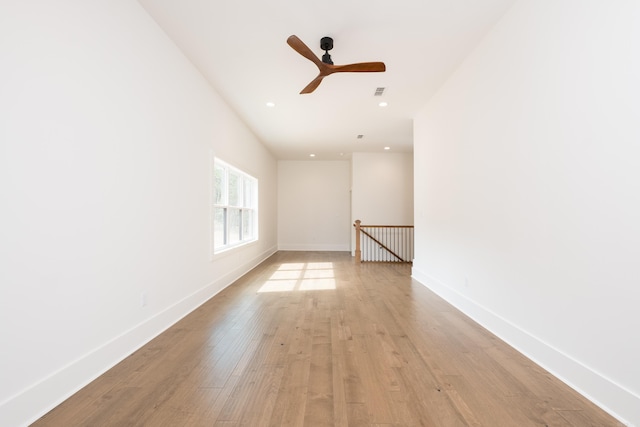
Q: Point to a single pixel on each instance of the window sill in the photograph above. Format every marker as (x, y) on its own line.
(222, 253)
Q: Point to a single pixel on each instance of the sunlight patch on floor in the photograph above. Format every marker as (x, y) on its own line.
(311, 276)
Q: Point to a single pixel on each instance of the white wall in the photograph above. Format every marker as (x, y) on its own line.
(382, 189)
(106, 133)
(313, 205)
(528, 192)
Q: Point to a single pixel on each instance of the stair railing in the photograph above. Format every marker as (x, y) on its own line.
(384, 243)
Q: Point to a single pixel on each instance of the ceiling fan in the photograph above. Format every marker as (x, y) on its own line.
(326, 66)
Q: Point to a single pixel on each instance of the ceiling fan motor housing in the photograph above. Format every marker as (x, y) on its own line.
(326, 43)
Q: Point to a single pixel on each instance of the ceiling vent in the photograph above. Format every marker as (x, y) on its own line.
(379, 91)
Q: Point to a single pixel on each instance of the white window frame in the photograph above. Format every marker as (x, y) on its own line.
(234, 223)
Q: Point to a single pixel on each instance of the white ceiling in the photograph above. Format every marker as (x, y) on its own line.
(240, 47)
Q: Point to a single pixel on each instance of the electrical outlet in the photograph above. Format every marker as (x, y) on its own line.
(466, 282)
(143, 299)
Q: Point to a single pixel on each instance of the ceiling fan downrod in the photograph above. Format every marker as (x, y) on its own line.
(326, 44)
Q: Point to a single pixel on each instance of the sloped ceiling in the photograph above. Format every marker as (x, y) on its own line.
(240, 47)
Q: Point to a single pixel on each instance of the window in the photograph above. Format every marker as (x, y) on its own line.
(235, 207)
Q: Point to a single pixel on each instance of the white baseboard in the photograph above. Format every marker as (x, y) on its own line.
(27, 406)
(312, 247)
(613, 398)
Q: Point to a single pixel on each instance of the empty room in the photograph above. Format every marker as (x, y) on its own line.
(356, 213)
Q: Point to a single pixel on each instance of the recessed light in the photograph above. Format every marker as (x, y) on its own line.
(387, 148)
(271, 104)
(312, 155)
(383, 104)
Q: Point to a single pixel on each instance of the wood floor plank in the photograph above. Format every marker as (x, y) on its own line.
(290, 405)
(315, 339)
(208, 415)
(340, 417)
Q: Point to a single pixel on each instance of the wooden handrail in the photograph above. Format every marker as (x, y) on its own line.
(385, 226)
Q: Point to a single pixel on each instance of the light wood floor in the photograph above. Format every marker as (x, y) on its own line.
(314, 339)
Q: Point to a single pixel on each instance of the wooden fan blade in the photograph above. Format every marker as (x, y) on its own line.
(303, 50)
(313, 85)
(362, 67)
